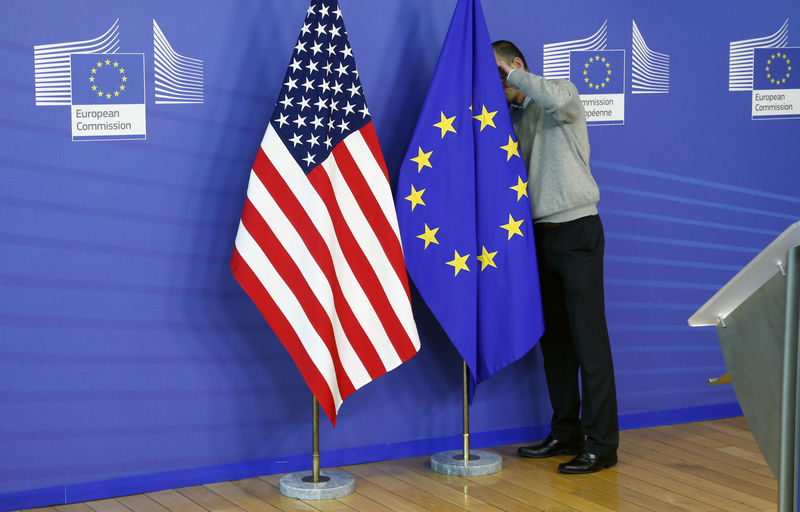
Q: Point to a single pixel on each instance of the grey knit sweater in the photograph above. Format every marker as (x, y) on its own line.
(554, 144)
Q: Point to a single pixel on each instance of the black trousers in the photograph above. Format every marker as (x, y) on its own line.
(570, 257)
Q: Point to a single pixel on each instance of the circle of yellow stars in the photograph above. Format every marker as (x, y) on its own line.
(108, 65)
(604, 66)
(770, 72)
(423, 160)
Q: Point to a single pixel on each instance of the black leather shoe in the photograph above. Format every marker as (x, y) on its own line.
(548, 448)
(587, 462)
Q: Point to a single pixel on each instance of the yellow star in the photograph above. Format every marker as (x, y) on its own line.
(608, 64)
(609, 71)
(603, 59)
(587, 64)
(586, 80)
(487, 258)
(116, 64)
(511, 148)
(603, 85)
(116, 93)
(124, 78)
(470, 108)
(596, 57)
(94, 71)
(108, 95)
(429, 236)
(100, 94)
(121, 87)
(512, 227)
(591, 59)
(768, 75)
(585, 72)
(416, 197)
(108, 62)
(122, 70)
(459, 263)
(91, 79)
(422, 159)
(521, 188)
(99, 64)
(446, 124)
(486, 118)
(94, 87)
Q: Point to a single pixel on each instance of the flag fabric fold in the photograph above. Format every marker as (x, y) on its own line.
(318, 248)
(463, 207)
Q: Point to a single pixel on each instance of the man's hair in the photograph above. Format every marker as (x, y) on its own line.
(508, 50)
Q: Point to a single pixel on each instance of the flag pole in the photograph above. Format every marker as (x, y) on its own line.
(315, 442)
(466, 411)
(465, 462)
(317, 485)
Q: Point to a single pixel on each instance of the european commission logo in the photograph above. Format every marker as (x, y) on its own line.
(107, 96)
(600, 79)
(105, 88)
(599, 73)
(776, 83)
(765, 66)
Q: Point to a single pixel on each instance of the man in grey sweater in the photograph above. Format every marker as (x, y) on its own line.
(550, 125)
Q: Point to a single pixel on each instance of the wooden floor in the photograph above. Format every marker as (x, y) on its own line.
(697, 467)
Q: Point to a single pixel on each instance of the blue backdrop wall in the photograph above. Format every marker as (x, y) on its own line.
(130, 360)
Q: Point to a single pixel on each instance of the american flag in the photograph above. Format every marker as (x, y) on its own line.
(318, 247)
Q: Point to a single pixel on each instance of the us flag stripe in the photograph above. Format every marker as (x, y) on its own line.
(362, 230)
(310, 201)
(364, 272)
(284, 329)
(345, 361)
(359, 182)
(287, 304)
(357, 330)
(326, 288)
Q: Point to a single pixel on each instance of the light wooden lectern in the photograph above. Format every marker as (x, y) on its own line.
(756, 314)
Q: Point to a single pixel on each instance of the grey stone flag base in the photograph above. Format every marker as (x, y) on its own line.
(480, 463)
(332, 484)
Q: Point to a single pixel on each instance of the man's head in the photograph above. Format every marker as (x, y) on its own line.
(509, 57)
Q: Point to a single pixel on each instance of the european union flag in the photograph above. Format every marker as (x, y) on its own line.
(463, 208)
(107, 78)
(598, 72)
(774, 68)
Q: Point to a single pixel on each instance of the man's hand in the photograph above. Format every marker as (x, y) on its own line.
(504, 69)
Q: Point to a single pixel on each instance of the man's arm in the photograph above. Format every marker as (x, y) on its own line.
(557, 97)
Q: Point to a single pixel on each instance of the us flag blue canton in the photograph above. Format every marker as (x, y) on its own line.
(318, 247)
(599, 76)
(107, 96)
(464, 210)
(776, 83)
